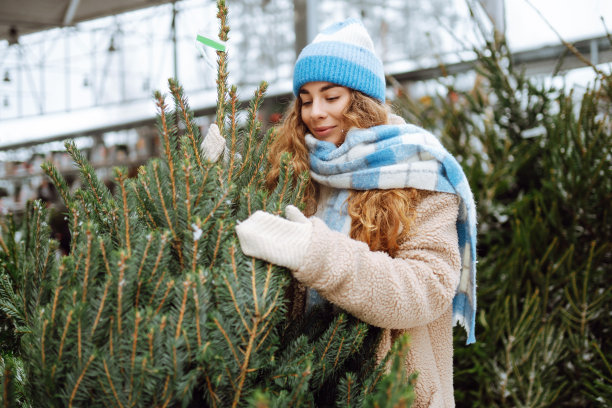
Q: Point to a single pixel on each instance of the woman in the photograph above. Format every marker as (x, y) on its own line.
(393, 231)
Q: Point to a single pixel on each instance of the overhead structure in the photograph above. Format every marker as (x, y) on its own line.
(22, 17)
(98, 77)
(88, 68)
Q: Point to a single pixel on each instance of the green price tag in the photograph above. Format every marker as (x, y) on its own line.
(217, 45)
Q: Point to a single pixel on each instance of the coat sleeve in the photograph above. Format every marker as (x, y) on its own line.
(412, 289)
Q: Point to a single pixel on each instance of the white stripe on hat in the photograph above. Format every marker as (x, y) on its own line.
(351, 32)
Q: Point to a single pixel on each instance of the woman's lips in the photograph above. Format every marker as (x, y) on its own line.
(323, 130)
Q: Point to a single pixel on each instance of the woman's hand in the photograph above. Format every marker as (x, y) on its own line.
(275, 239)
(213, 144)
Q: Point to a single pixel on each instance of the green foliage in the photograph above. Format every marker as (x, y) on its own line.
(11, 382)
(538, 161)
(156, 305)
(392, 392)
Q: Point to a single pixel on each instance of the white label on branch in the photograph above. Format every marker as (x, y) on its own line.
(197, 232)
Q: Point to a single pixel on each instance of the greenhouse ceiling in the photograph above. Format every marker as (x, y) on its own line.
(27, 16)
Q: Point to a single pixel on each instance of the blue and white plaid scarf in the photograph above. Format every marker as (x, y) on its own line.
(389, 156)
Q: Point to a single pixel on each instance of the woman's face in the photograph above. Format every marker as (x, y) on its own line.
(323, 105)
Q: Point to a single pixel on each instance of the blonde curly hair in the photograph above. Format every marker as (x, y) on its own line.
(380, 218)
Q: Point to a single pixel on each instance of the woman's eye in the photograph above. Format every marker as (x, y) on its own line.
(332, 98)
(306, 103)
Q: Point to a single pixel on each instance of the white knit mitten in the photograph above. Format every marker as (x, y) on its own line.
(213, 144)
(275, 239)
(394, 119)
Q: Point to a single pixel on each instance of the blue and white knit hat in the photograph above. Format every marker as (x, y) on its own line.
(342, 54)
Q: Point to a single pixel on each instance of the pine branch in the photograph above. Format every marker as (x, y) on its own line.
(166, 212)
(222, 66)
(253, 125)
(391, 391)
(187, 172)
(142, 208)
(123, 257)
(245, 364)
(233, 104)
(227, 339)
(83, 198)
(195, 140)
(76, 386)
(120, 178)
(167, 132)
(58, 181)
(104, 204)
(110, 382)
(200, 193)
(284, 183)
(101, 307)
(236, 304)
(87, 263)
(261, 155)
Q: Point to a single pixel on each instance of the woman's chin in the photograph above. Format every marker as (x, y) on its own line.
(331, 138)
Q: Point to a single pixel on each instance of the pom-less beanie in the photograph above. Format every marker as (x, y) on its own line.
(342, 54)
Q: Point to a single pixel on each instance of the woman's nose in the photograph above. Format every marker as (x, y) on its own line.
(318, 109)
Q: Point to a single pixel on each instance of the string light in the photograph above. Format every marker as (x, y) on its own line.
(111, 46)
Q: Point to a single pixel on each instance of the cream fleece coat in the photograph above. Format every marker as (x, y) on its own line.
(411, 293)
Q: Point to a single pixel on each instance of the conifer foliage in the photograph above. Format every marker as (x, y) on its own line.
(155, 305)
(538, 160)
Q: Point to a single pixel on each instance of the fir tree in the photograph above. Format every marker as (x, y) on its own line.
(538, 160)
(156, 305)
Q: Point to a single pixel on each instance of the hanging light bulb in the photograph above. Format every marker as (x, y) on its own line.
(111, 46)
(13, 37)
(6, 102)
(7, 76)
(85, 82)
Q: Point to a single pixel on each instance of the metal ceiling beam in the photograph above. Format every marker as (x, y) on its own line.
(29, 16)
(536, 61)
(305, 23)
(70, 11)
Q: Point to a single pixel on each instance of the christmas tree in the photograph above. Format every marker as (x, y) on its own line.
(538, 160)
(156, 305)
